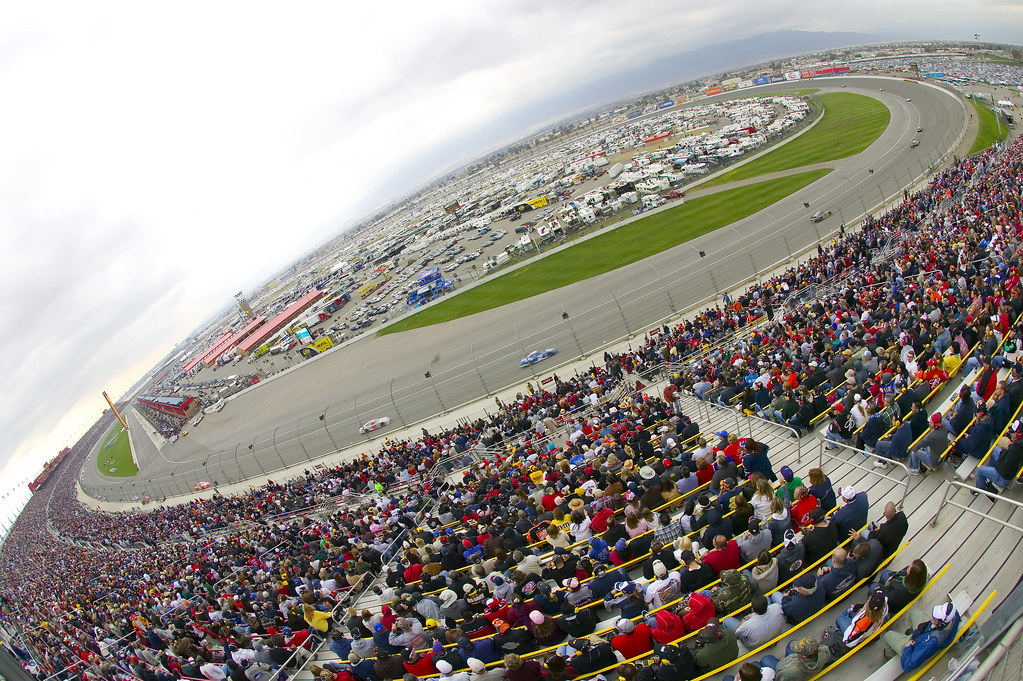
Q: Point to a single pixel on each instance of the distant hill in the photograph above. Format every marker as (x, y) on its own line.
(616, 87)
(705, 61)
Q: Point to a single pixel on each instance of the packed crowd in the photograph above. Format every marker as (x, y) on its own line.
(233, 586)
(953, 68)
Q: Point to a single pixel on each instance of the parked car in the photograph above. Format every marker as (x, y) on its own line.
(537, 356)
(374, 424)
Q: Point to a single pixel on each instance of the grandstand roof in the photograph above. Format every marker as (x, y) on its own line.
(169, 401)
(279, 322)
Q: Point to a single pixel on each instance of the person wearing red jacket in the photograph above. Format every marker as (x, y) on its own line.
(496, 609)
(419, 663)
(800, 513)
(724, 556)
(667, 627)
(633, 639)
(413, 572)
(598, 523)
(697, 611)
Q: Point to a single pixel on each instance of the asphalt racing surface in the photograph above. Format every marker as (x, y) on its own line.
(317, 407)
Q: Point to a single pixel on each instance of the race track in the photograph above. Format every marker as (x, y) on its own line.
(317, 407)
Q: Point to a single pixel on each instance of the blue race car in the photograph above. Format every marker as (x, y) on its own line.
(537, 356)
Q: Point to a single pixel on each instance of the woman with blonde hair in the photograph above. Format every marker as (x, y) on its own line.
(762, 498)
(556, 538)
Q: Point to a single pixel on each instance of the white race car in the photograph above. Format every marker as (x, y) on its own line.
(373, 424)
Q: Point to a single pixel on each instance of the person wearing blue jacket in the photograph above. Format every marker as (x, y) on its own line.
(755, 459)
(804, 600)
(897, 447)
(482, 649)
(932, 632)
(599, 550)
(853, 514)
(978, 437)
(872, 430)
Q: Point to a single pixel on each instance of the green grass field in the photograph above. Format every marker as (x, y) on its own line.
(851, 123)
(614, 249)
(114, 457)
(989, 131)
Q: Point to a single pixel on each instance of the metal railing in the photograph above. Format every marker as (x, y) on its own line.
(952, 485)
(904, 483)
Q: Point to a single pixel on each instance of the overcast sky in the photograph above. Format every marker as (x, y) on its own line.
(157, 157)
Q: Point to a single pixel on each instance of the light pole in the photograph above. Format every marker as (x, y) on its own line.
(749, 251)
(323, 419)
(476, 366)
(273, 438)
(667, 291)
(390, 389)
(433, 382)
(525, 354)
(565, 318)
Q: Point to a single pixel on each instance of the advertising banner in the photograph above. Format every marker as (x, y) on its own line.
(807, 73)
(323, 343)
(714, 91)
(665, 104)
(745, 84)
(538, 203)
(793, 75)
(303, 336)
(618, 119)
(634, 113)
(761, 81)
(777, 79)
(681, 99)
(729, 87)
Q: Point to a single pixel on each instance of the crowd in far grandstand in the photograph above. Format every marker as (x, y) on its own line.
(590, 500)
(953, 68)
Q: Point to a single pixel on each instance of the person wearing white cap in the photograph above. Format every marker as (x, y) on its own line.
(479, 671)
(664, 588)
(931, 631)
(445, 669)
(853, 514)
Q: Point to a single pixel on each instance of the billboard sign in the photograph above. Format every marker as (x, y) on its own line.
(634, 113)
(665, 104)
(538, 203)
(777, 79)
(303, 336)
(793, 75)
(714, 91)
(681, 99)
(761, 81)
(618, 119)
(745, 84)
(808, 73)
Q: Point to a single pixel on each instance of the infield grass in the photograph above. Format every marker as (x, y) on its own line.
(988, 132)
(114, 457)
(614, 249)
(851, 123)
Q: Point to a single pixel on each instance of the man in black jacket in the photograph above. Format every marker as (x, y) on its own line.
(1007, 464)
(589, 656)
(890, 532)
